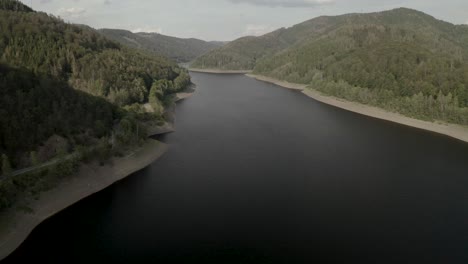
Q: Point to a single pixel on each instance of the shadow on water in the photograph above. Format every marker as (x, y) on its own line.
(160, 137)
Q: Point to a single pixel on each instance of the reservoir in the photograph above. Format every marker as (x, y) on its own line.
(260, 174)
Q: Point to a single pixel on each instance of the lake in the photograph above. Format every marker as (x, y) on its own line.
(260, 174)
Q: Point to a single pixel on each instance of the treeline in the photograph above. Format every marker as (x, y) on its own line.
(218, 59)
(420, 106)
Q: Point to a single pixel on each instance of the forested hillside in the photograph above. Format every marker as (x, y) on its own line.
(402, 60)
(244, 53)
(34, 107)
(68, 82)
(177, 49)
(84, 58)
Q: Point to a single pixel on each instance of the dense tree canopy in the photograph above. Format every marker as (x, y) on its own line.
(68, 82)
(33, 108)
(80, 56)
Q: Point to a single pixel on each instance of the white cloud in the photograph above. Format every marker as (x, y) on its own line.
(285, 3)
(257, 30)
(224, 19)
(72, 12)
(148, 29)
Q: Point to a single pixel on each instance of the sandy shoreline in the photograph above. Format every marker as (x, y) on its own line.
(184, 95)
(220, 71)
(455, 131)
(88, 180)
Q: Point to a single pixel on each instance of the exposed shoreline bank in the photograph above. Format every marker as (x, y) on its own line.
(455, 131)
(169, 127)
(16, 225)
(89, 179)
(220, 71)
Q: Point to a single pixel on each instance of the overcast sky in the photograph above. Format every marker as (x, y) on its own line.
(227, 19)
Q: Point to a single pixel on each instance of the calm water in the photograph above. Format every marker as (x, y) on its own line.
(261, 174)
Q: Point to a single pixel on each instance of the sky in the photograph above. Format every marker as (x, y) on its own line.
(226, 20)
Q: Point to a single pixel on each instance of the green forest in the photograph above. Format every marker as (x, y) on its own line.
(79, 55)
(69, 83)
(68, 93)
(402, 60)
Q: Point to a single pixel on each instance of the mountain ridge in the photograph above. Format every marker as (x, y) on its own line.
(178, 49)
(286, 37)
(402, 60)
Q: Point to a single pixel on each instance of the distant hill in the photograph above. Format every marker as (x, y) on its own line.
(402, 60)
(245, 52)
(178, 49)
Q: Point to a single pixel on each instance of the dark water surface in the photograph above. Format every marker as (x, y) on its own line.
(260, 174)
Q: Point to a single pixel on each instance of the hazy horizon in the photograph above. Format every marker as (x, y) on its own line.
(225, 20)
